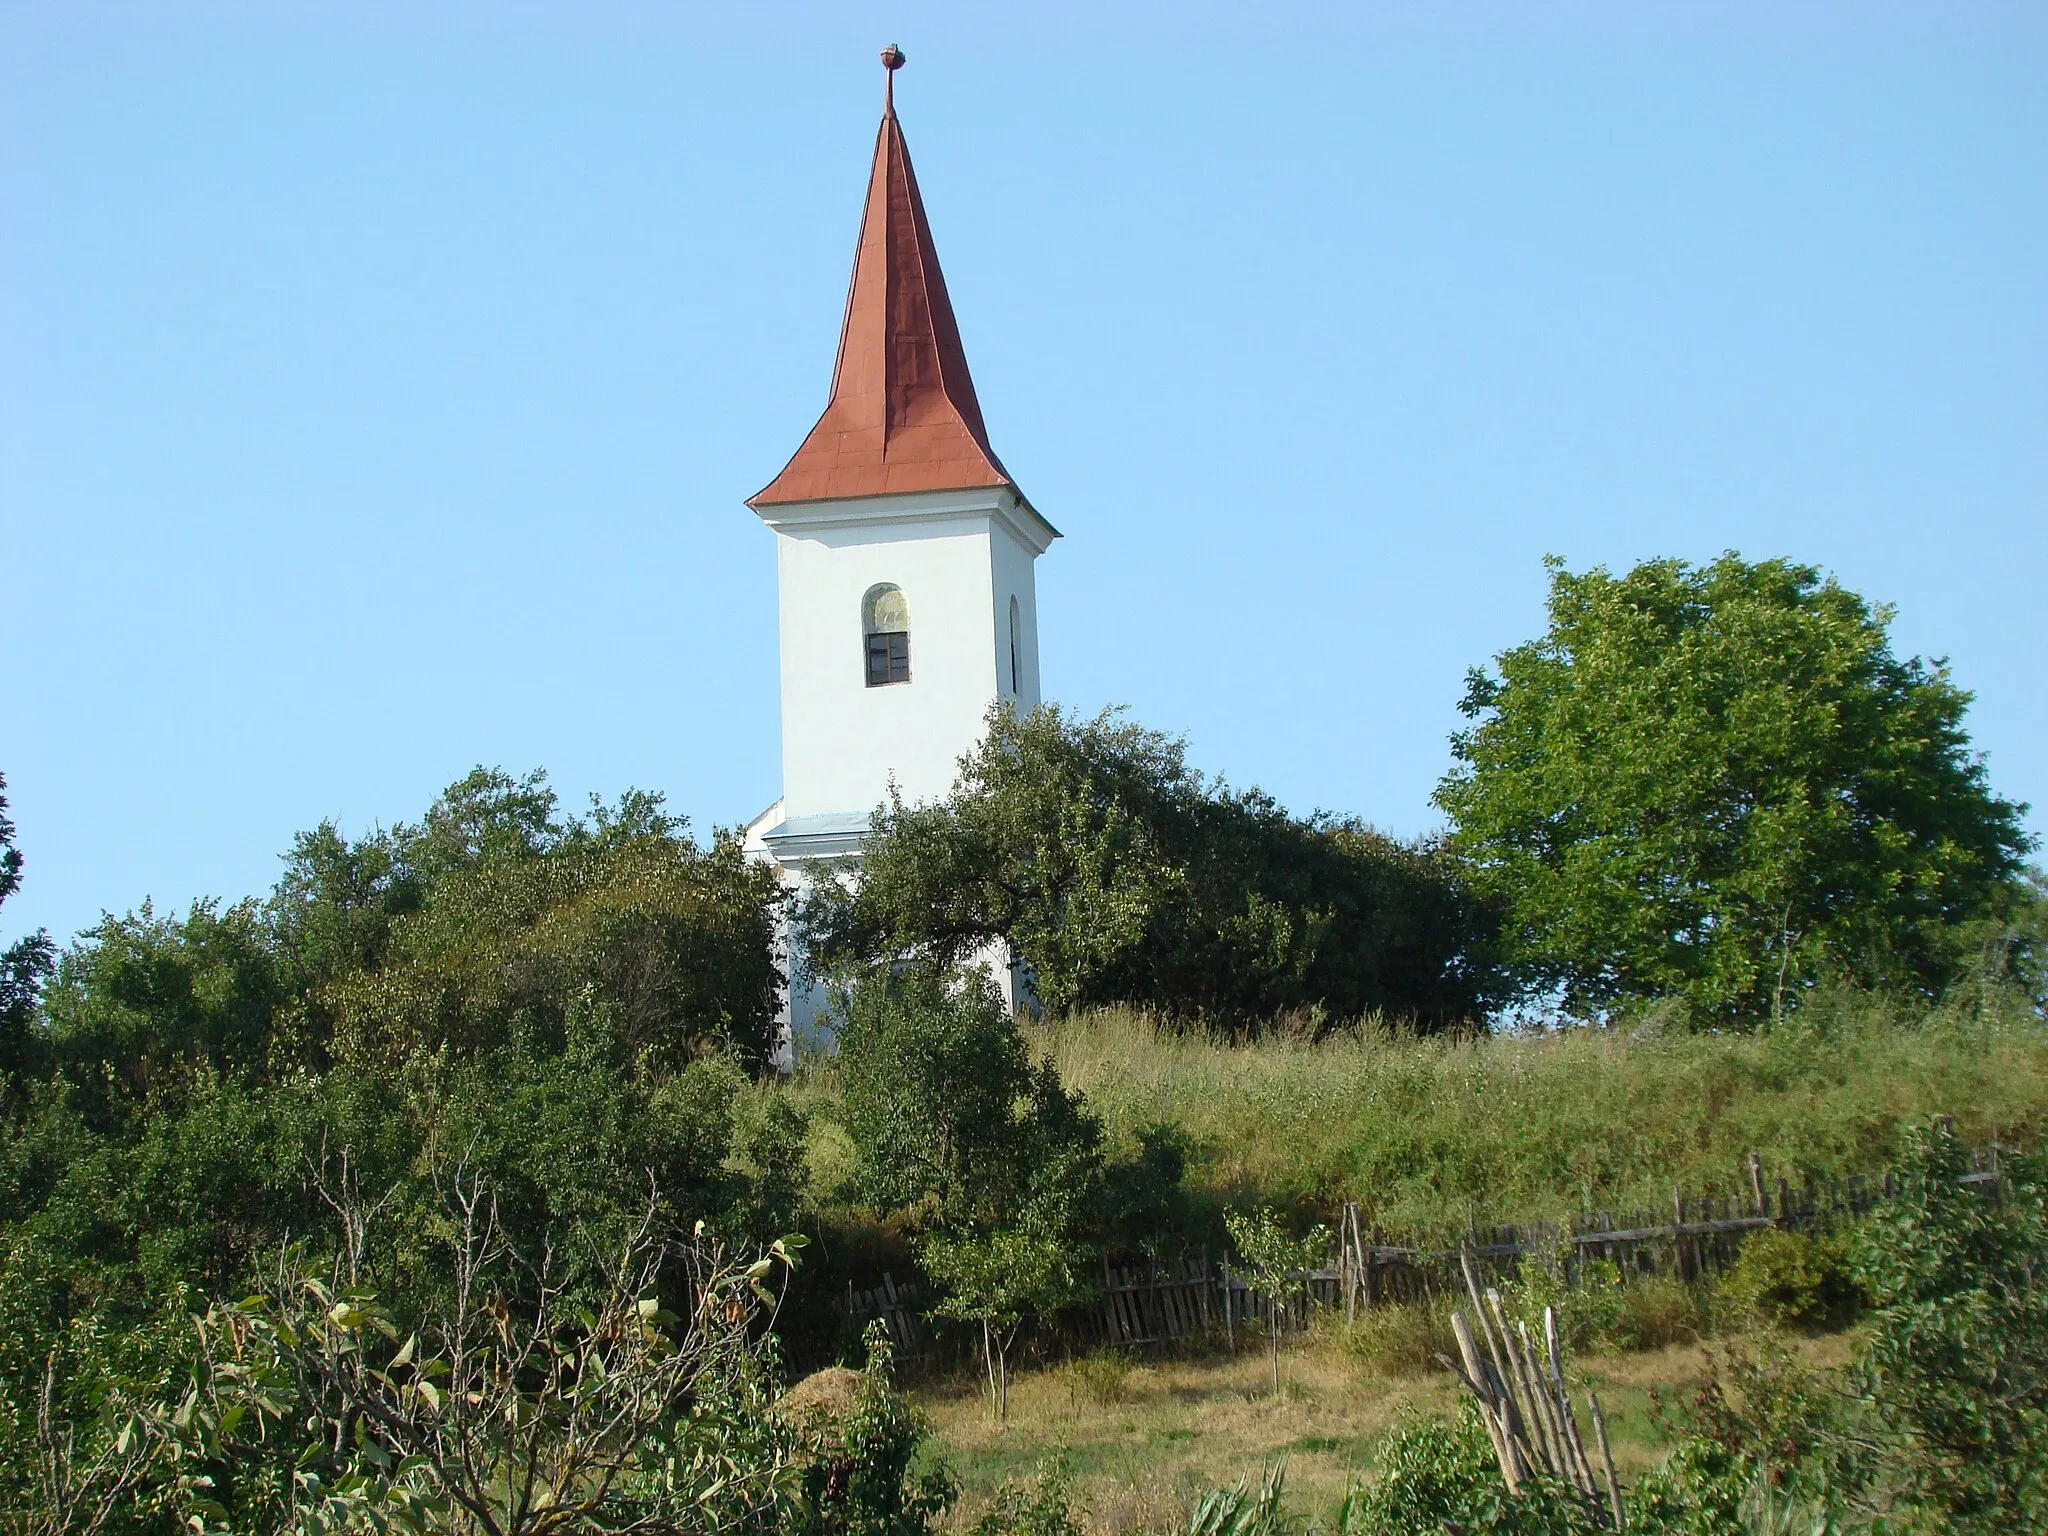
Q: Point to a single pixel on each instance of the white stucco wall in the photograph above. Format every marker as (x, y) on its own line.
(958, 559)
(1014, 573)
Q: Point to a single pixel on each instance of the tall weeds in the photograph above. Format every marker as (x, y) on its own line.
(1425, 1133)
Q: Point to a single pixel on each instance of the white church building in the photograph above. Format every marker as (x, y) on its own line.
(904, 557)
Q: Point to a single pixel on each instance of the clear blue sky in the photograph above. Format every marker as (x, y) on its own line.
(379, 384)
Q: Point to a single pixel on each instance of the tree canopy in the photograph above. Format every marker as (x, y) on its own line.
(568, 1008)
(1120, 874)
(1719, 783)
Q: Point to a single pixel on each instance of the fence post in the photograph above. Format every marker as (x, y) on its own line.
(1229, 1318)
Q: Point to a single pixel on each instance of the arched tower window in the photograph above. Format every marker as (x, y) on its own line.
(885, 627)
(1016, 647)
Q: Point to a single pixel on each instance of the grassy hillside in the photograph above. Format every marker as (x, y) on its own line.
(1544, 1124)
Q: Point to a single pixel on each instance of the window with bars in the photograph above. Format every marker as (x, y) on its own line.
(889, 658)
(885, 626)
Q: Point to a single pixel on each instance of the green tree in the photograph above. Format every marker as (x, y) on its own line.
(1718, 783)
(1000, 1276)
(492, 919)
(25, 965)
(943, 1104)
(1122, 875)
(1279, 1265)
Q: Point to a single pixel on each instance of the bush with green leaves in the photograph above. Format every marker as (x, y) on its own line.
(1955, 1368)
(1042, 1505)
(574, 1005)
(870, 1475)
(1940, 1422)
(948, 1115)
(1790, 1279)
(1760, 1435)
(1433, 1474)
(953, 1125)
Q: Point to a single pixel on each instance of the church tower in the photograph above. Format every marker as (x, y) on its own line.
(904, 552)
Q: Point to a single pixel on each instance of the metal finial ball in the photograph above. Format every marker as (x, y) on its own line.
(894, 58)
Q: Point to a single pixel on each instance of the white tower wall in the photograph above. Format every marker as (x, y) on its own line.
(963, 561)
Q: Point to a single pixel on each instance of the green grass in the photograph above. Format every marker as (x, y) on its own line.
(1513, 1127)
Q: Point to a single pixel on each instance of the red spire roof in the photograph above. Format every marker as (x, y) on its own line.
(902, 416)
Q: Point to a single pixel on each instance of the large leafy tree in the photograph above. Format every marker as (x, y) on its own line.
(1122, 875)
(1718, 783)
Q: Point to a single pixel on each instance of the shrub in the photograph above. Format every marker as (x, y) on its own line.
(1599, 1309)
(1102, 1378)
(1654, 1312)
(875, 1483)
(1790, 1279)
(1956, 1369)
(1435, 1474)
(1402, 1338)
(1041, 1506)
(1756, 1443)
(943, 1104)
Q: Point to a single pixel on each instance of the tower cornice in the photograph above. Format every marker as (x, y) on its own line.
(1002, 505)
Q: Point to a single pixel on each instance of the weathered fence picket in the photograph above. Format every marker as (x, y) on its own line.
(1143, 1302)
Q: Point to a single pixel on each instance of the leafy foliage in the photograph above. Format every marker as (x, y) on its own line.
(1278, 1263)
(571, 1006)
(1716, 784)
(1042, 1506)
(600, 1418)
(1791, 1278)
(952, 1122)
(1956, 1369)
(24, 966)
(869, 1477)
(1121, 875)
(1434, 1473)
(944, 1105)
(1941, 1422)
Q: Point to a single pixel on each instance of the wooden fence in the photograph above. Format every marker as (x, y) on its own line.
(1140, 1303)
(900, 1307)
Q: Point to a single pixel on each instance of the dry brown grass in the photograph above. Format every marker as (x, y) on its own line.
(1144, 1437)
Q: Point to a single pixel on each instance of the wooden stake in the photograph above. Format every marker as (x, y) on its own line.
(1511, 1414)
(1490, 1411)
(1607, 1462)
(1582, 1470)
(1546, 1407)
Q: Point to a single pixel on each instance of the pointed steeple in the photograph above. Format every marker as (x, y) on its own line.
(902, 416)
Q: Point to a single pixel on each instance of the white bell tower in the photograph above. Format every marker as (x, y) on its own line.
(904, 555)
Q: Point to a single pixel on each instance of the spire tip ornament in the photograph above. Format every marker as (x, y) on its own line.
(893, 59)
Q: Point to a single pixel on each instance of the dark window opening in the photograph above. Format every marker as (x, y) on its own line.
(888, 658)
